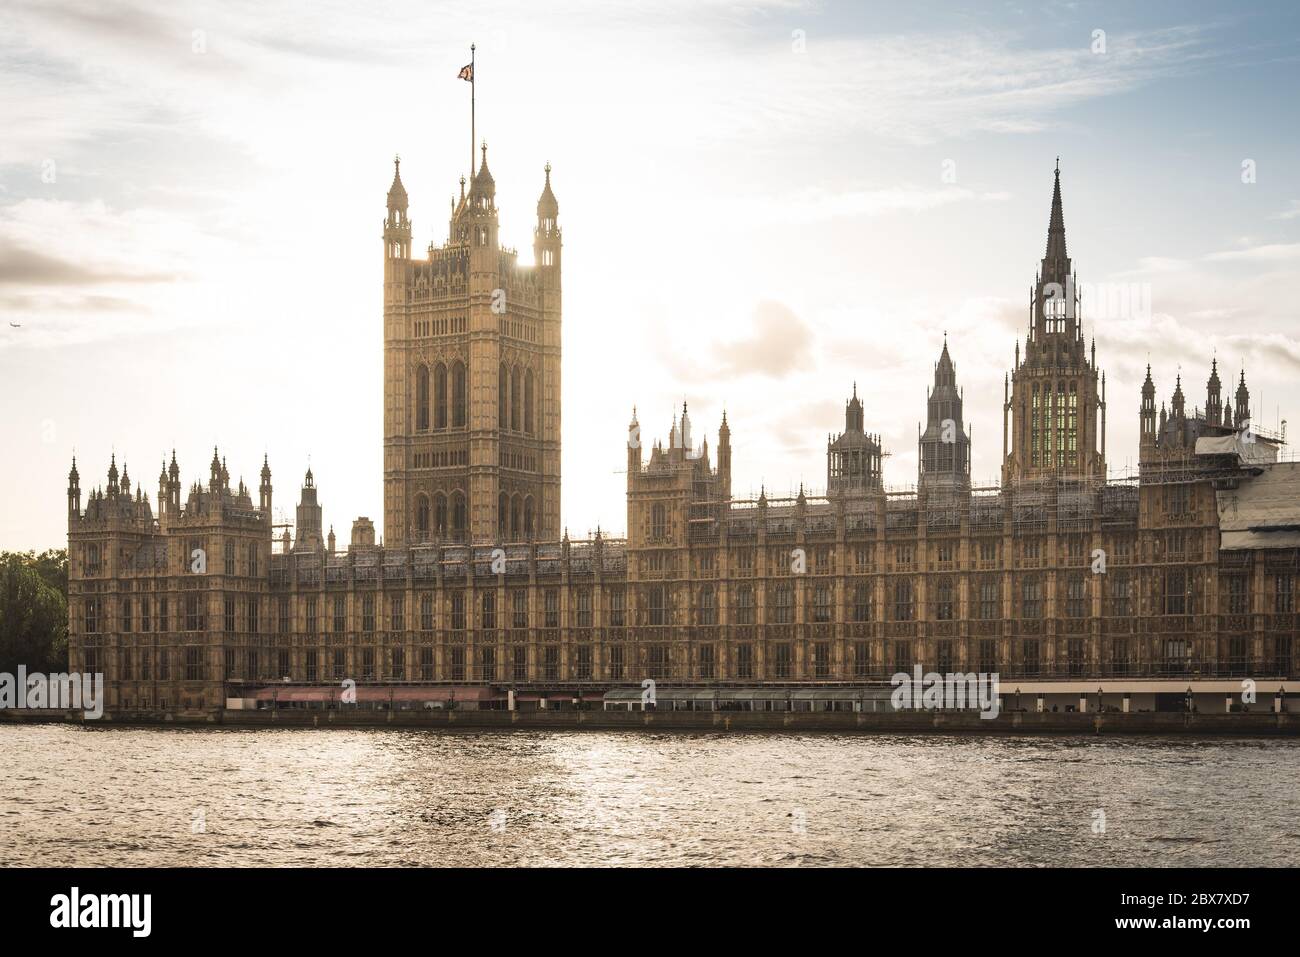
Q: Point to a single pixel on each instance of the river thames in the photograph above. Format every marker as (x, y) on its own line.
(152, 797)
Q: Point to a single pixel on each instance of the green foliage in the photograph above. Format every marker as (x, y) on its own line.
(34, 611)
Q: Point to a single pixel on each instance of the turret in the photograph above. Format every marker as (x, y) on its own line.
(481, 208)
(1147, 411)
(724, 459)
(853, 457)
(173, 486)
(546, 238)
(1241, 414)
(264, 497)
(1213, 397)
(307, 536)
(943, 449)
(397, 227)
(74, 491)
(633, 446)
(163, 497)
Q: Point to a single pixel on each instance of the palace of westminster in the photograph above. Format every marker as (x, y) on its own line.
(1186, 574)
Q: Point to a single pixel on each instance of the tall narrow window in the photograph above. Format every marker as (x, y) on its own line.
(503, 398)
(1060, 424)
(459, 520)
(516, 395)
(440, 396)
(440, 514)
(422, 518)
(658, 522)
(1073, 434)
(458, 395)
(903, 607)
(528, 401)
(422, 398)
(1033, 425)
(862, 604)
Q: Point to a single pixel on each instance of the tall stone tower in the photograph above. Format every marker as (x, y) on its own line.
(471, 375)
(1054, 394)
(943, 458)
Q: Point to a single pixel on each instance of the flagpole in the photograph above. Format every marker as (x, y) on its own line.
(471, 112)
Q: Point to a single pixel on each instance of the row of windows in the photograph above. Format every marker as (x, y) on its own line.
(444, 515)
(820, 559)
(449, 396)
(779, 660)
(1054, 425)
(1174, 597)
(443, 459)
(445, 326)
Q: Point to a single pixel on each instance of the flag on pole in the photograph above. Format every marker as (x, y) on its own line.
(466, 73)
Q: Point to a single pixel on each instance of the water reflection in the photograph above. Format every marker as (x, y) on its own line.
(85, 796)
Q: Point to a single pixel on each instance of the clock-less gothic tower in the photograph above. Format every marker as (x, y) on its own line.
(471, 376)
(1054, 398)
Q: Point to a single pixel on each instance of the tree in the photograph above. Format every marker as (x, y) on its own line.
(34, 611)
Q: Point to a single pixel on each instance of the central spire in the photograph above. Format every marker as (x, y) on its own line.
(1056, 262)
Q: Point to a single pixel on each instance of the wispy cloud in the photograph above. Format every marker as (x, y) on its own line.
(744, 222)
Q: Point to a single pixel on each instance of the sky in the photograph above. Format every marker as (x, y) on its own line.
(763, 202)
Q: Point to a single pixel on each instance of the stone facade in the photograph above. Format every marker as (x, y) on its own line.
(471, 375)
(1055, 574)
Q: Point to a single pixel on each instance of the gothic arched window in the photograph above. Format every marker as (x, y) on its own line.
(459, 516)
(528, 401)
(421, 518)
(440, 396)
(516, 420)
(422, 398)
(458, 395)
(658, 522)
(502, 399)
(440, 514)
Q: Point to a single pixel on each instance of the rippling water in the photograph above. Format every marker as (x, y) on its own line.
(75, 796)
